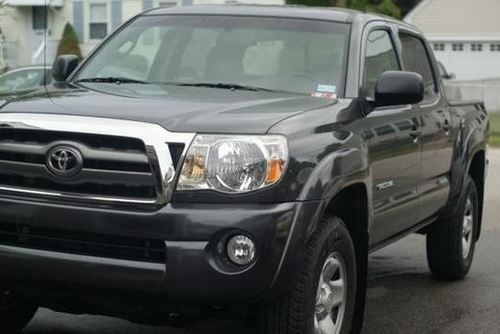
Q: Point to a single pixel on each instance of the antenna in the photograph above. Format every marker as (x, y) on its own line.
(45, 33)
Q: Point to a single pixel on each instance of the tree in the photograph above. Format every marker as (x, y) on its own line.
(406, 5)
(386, 7)
(69, 42)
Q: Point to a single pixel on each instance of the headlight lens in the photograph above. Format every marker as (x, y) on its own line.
(233, 164)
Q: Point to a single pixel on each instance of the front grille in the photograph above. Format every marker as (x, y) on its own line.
(113, 166)
(82, 243)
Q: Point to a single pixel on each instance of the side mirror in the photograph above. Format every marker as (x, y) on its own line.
(63, 66)
(398, 88)
(449, 76)
(445, 75)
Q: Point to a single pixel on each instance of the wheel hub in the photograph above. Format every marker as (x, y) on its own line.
(331, 296)
(468, 229)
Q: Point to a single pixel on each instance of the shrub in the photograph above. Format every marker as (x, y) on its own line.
(69, 42)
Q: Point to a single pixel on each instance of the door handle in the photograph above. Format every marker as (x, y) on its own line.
(415, 134)
(446, 127)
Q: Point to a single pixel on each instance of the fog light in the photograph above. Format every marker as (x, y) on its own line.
(241, 250)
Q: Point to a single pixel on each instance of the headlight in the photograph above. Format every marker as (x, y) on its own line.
(233, 164)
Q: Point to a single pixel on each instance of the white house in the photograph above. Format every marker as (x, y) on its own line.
(464, 34)
(24, 37)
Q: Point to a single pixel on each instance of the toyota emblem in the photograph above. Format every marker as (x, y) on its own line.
(64, 161)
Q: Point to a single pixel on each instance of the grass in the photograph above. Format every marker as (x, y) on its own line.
(495, 129)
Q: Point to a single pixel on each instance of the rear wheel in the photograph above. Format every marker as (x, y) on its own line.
(322, 298)
(451, 241)
(16, 311)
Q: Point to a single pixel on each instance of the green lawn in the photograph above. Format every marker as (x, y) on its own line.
(495, 129)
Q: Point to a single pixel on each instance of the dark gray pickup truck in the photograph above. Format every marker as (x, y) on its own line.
(235, 161)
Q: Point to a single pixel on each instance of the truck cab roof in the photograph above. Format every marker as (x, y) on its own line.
(291, 11)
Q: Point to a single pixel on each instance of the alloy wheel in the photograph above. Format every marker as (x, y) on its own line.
(468, 229)
(331, 296)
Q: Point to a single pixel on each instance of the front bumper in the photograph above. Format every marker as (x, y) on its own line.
(189, 272)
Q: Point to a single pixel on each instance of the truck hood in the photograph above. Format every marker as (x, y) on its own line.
(178, 109)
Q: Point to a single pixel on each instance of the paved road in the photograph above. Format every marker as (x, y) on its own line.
(402, 297)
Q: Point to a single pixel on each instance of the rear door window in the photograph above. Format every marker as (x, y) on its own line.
(416, 59)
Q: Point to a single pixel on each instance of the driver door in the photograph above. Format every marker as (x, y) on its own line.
(394, 152)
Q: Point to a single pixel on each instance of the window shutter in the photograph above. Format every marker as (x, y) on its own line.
(116, 13)
(78, 18)
(147, 4)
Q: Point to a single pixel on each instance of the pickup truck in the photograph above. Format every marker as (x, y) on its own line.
(237, 162)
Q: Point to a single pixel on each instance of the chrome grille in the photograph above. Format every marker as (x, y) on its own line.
(123, 161)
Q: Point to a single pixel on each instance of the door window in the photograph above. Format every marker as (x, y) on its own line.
(416, 59)
(380, 57)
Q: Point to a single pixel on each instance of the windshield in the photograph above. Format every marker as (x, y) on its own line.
(292, 55)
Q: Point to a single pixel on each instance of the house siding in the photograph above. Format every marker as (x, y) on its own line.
(458, 18)
(131, 8)
(15, 23)
(465, 23)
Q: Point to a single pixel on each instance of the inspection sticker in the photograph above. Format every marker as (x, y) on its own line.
(326, 88)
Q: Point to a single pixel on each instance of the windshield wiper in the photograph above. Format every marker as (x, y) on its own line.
(116, 80)
(221, 85)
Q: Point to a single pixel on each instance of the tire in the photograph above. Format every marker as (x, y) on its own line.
(15, 312)
(330, 252)
(451, 241)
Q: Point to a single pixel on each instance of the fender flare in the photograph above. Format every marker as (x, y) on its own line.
(469, 147)
(334, 173)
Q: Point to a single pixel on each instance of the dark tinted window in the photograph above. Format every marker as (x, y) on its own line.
(39, 19)
(380, 57)
(384, 130)
(416, 59)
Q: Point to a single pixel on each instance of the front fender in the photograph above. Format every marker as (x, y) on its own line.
(333, 172)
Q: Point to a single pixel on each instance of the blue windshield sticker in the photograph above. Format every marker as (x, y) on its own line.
(326, 88)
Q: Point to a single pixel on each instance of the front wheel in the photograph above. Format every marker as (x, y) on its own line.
(451, 241)
(16, 311)
(322, 297)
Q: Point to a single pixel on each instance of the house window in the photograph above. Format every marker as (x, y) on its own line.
(98, 21)
(166, 3)
(439, 47)
(475, 47)
(495, 47)
(39, 17)
(457, 47)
